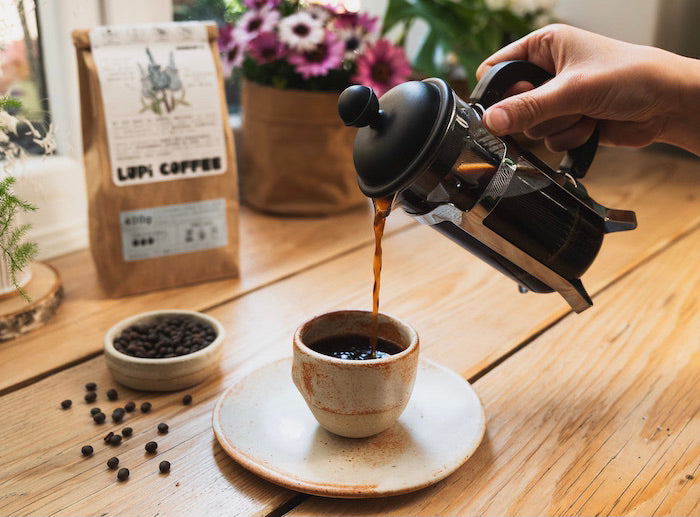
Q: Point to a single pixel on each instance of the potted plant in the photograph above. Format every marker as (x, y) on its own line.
(460, 35)
(15, 253)
(295, 58)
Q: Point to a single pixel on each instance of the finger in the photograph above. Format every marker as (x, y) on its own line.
(535, 47)
(552, 126)
(523, 111)
(572, 137)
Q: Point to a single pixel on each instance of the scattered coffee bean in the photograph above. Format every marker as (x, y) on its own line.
(112, 394)
(130, 406)
(126, 432)
(145, 407)
(95, 410)
(91, 386)
(65, 404)
(113, 462)
(187, 400)
(167, 336)
(123, 474)
(115, 440)
(162, 428)
(117, 416)
(90, 396)
(109, 436)
(86, 450)
(164, 466)
(99, 418)
(151, 447)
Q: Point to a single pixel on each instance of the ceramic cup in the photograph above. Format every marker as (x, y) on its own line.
(355, 398)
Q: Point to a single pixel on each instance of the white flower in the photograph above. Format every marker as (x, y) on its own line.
(301, 31)
(47, 142)
(254, 22)
(354, 39)
(8, 122)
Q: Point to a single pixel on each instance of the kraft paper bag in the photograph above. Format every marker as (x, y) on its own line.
(162, 193)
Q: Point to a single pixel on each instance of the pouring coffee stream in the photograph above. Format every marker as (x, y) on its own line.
(426, 150)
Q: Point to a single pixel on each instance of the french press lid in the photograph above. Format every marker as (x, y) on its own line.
(399, 134)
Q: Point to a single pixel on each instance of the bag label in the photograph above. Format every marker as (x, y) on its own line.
(160, 93)
(173, 229)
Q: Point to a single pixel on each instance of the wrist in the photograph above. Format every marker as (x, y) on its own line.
(681, 127)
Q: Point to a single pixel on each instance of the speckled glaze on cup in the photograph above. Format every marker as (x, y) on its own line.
(355, 398)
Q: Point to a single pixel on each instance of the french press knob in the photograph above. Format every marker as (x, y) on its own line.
(428, 150)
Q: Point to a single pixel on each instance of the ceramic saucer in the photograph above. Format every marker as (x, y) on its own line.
(264, 424)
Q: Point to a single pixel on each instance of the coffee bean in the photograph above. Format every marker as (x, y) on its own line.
(151, 447)
(123, 474)
(91, 386)
(126, 432)
(99, 418)
(65, 404)
(167, 336)
(117, 416)
(164, 466)
(112, 394)
(115, 440)
(86, 450)
(109, 436)
(90, 396)
(113, 462)
(162, 428)
(187, 400)
(95, 410)
(130, 406)
(145, 407)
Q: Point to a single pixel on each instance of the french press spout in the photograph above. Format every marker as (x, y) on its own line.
(427, 150)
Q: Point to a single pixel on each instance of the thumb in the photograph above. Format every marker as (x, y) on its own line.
(525, 110)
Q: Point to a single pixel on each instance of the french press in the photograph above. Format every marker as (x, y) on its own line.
(427, 150)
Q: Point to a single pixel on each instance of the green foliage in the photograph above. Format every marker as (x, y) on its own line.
(18, 254)
(467, 28)
(218, 10)
(9, 104)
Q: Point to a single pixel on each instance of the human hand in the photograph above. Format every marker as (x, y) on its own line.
(635, 94)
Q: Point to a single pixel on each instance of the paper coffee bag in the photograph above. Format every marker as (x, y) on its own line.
(159, 156)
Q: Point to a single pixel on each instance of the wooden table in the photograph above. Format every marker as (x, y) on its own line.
(595, 413)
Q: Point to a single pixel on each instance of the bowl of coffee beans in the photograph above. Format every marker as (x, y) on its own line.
(164, 350)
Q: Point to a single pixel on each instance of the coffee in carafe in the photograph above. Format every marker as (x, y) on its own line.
(429, 151)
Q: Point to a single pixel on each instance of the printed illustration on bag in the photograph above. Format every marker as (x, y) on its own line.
(161, 86)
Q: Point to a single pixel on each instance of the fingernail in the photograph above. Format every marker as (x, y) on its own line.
(497, 120)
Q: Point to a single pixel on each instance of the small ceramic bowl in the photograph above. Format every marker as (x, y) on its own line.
(163, 374)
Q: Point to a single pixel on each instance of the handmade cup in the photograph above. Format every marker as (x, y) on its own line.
(349, 397)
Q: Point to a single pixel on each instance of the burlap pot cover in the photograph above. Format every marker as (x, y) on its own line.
(297, 154)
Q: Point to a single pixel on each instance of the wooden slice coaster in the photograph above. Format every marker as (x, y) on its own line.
(46, 292)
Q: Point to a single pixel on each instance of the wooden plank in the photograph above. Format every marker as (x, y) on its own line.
(270, 248)
(597, 416)
(467, 316)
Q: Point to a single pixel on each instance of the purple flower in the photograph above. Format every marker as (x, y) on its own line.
(254, 22)
(225, 37)
(265, 48)
(382, 67)
(325, 56)
(351, 20)
(260, 4)
(231, 57)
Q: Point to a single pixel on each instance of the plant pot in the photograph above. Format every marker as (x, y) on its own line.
(296, 153)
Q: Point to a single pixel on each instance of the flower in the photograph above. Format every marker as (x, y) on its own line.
(301, 44)
(301, 31)
(265, 48)
(256, 21)
(327, 55)
(382, 66)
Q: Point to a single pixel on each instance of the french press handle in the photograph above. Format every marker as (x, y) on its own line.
(502, 76)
